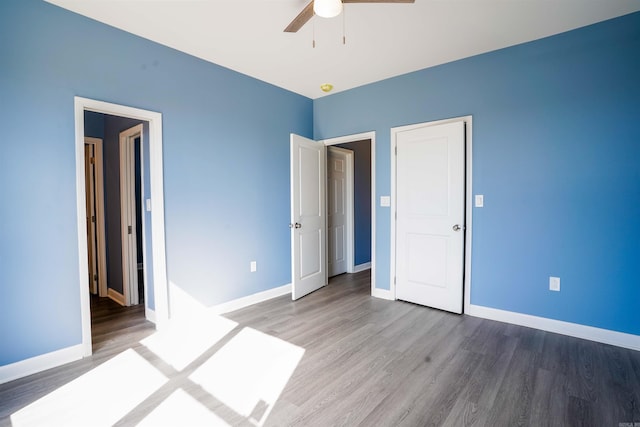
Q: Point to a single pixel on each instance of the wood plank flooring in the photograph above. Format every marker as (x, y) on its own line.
(371, 362)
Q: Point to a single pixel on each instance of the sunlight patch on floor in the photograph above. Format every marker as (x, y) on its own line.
(180, 409)
(249, 373)
(184, 339)
(239, 383)
(97, 398)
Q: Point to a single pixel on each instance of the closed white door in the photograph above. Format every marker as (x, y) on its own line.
(308, 216)
(339, 162)
(430, 215)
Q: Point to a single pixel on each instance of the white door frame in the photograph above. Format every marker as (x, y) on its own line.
(371, 136)
(468, 201)
(128, 213)
(158, 251)
(100, 228)
(348, 207)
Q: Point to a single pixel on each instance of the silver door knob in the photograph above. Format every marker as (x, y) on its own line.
(296, 225)
(456, 227)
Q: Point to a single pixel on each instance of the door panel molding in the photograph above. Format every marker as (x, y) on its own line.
(467, 120)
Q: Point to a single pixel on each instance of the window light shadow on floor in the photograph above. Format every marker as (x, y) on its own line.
(101, 396)
(200, 370)
(249, 373)
(180, 409)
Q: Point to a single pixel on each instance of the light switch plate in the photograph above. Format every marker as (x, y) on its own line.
(148, 204)
(253, 267)
(554, 284)
(385, 201)
(479, 200)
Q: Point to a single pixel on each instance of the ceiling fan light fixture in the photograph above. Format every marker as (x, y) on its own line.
(327, 8)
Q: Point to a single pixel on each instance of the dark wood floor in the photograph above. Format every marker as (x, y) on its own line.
(372, 362)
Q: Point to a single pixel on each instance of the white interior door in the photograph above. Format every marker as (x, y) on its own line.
(128, 214)
(339, 200)
(430, 215)
(308, 217)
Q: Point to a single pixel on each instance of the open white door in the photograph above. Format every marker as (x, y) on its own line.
(430, 176)
(308, 217)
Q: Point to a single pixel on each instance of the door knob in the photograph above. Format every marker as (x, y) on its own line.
(456, 227)
(296, 225)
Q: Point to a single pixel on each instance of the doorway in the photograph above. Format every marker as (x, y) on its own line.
(308, 212)
(156, 308)
(431, 215)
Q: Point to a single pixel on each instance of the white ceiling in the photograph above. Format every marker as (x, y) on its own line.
(382, 40)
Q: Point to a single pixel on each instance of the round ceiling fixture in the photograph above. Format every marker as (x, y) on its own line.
(326, 87)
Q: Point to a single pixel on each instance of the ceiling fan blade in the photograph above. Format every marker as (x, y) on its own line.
(378, 1)
(301, 19)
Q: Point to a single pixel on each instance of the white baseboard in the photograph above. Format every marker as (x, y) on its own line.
(382, 293)
(591, 333)
(362, 267)
(243, 302)
(40, 363)
(116, 296)
(150, 315)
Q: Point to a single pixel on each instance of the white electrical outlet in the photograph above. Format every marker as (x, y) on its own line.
(479, 200)
(554, 284)
(254, 266)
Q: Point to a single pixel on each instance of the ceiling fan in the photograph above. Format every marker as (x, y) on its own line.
(327, 9)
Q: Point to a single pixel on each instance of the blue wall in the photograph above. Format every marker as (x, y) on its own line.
(361, 199)
(556, 153)
(94, 124)
(226, 168)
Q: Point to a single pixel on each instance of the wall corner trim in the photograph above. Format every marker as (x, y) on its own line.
(252, 299)
(604, 336)
(40, 363)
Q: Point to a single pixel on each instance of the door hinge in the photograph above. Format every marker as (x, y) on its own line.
(396, 150)
(130, 230)
(92, 160)
(95, 277)
(394, 280)
(93, 218)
